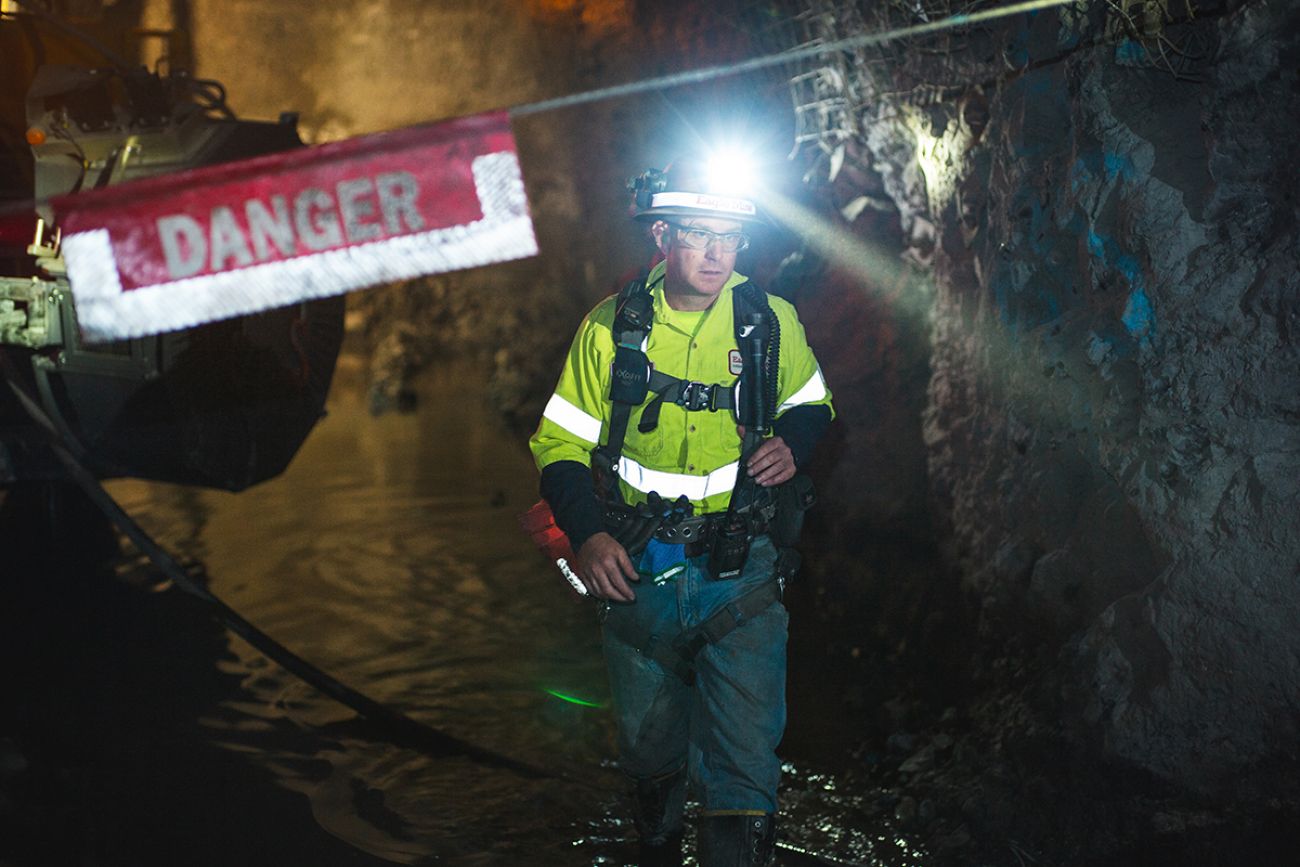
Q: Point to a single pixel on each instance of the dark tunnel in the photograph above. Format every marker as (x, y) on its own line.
(1049, 262)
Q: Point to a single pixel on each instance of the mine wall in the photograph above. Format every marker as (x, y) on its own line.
(1112, 415)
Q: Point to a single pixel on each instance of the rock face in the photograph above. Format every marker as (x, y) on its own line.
(1113, 418)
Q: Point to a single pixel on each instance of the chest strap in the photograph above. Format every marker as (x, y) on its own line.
(688, 394)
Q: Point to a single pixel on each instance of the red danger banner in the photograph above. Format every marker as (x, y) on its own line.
(179, 250)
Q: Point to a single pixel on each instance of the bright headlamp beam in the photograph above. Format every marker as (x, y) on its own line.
(730, 173)
(874, 268)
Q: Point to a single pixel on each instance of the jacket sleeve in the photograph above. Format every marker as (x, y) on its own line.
(804, 409)
(800, 382)
(802, 427)
(578, 412)
(567, 488)
(571, 425)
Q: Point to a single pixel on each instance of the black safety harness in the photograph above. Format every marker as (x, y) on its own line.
(633, 379)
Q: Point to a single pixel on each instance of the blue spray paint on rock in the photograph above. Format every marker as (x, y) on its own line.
(1139, 318)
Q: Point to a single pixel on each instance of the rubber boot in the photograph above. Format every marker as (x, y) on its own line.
(660, 802)
(737, 841)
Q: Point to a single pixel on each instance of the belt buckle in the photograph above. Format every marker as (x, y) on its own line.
(696, 396)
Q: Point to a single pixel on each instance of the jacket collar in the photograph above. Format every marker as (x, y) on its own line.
(665, 314)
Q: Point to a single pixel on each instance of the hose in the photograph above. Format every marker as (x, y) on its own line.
(392, 725)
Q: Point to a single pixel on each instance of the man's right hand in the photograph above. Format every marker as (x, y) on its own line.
(603, 565)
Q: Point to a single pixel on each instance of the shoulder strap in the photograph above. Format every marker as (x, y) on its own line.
(630, 374)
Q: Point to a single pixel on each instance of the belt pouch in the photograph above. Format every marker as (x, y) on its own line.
(730, 550)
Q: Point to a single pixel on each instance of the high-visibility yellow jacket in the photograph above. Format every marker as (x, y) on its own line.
(692, 453)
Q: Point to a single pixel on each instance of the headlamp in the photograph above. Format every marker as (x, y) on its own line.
(730, 173)
(644, 187)
(717, 185)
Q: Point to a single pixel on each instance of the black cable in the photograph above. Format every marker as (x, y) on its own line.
(757, 299)
(208, 93)
(696, 76)
(394, 726)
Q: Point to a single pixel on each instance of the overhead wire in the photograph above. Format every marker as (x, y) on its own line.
(726, 70)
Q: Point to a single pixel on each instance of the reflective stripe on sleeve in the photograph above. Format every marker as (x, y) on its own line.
(812, 391)
(670, 486)
(577, 422)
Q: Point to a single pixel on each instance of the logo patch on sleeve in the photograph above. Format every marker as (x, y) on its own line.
(734, 364)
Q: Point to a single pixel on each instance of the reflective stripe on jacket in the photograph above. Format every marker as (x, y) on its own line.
(692, 453)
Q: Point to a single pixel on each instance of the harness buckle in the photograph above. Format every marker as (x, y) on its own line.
(696, 396)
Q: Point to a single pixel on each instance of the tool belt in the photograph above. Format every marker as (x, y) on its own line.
(674, 522)
(697, 530)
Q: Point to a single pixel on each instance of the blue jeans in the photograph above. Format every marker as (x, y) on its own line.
(726, 727)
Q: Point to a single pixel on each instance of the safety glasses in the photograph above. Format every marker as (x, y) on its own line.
(699, 239)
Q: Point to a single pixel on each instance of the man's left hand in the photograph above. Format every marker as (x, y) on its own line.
(772, 463)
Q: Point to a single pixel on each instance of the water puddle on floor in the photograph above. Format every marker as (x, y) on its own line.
(389, 555)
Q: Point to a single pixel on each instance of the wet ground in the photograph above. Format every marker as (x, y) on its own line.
(135, 731)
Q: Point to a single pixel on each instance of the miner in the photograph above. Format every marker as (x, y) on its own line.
(670, 455)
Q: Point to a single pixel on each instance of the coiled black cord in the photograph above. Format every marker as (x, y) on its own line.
(757, 299)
